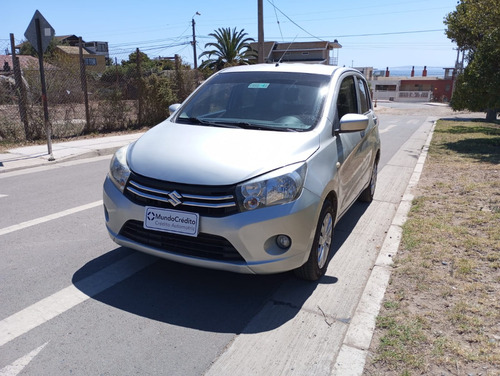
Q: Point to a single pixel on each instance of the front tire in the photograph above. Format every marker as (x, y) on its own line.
(316, 264)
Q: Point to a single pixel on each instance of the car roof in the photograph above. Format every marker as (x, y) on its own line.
(323, 69)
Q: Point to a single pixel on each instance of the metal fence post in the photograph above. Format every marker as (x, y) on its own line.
(83, 77)
(21, 90)
(139, 87)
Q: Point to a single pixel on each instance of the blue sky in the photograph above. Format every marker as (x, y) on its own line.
(384, 33)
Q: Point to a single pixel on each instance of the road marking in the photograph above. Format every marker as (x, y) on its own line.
(52, 306)
(37, 221)
(15, 368)
(387, 129)
(30, 170)
(2, 195)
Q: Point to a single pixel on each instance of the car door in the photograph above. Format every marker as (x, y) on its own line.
(353, 98)
(365, 152)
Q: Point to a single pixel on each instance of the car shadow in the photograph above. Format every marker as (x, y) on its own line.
(347, 223)
(204, 299)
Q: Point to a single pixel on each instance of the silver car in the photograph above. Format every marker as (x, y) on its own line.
(251, 173)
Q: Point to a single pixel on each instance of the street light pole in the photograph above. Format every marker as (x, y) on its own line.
(195, 58)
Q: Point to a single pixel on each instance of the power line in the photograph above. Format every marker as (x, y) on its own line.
(328, 37)
(149, 48)
(147, 42)
(292, 21)
(277, 20)
(389, 33)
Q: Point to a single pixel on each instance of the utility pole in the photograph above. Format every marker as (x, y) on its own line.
(260, 41)
(195, 58)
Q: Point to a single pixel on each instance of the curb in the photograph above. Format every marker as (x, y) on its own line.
(74, 157)
(36, 156)
(90, 154)
(352, 356)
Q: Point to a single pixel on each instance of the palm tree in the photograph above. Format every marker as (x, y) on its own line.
(231, 48)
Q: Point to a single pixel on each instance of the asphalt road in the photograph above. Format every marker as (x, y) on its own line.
(73, 302)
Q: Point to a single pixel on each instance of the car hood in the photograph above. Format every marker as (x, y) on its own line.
(206, 155)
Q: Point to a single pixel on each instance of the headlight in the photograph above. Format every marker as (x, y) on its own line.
(276, 188)
(118, 169)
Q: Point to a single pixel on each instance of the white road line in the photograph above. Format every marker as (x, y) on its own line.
(15, 368)
(31, 170)
(388, 128)
(46, 309)
(37, 221)
(2, 195)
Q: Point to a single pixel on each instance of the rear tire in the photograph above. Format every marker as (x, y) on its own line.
(368, 192)
(316, 264)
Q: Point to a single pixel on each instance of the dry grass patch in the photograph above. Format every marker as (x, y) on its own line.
(441, 314)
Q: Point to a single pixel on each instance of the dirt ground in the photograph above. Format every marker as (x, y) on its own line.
(441, 312)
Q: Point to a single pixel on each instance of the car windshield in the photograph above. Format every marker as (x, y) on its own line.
(280, 101)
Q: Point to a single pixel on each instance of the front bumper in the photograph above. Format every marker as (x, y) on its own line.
(252, 234)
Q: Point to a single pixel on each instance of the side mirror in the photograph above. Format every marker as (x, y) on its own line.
(172, 108)
(353, 123)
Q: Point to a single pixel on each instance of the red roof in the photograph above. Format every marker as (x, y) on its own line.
(25, 61)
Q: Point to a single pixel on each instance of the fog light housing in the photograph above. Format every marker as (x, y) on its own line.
(106, 214)
(283, 241)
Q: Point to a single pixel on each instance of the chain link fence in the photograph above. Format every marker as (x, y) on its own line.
(133, 93)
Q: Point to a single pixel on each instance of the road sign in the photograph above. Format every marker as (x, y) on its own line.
(39, 33)
(47, 32)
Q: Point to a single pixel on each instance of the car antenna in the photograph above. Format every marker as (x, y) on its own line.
(284, 53)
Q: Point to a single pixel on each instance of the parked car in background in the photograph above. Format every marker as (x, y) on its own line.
(251, 173)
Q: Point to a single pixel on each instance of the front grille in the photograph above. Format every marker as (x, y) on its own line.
(207, 246)
(210, 201)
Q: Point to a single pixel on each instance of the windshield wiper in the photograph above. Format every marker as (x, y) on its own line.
(197, 120)
(235, 124)
(246, 125)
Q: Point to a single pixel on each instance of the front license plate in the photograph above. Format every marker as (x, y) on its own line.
(174, 221)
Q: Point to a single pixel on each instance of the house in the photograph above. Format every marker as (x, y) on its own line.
(94, 47)
(69, 40)
(98, 48)
(93, 62)
(69, 45)
(299, 52)
(413, 89)
(26, 62)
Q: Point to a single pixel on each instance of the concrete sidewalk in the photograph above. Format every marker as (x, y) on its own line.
(37, 155)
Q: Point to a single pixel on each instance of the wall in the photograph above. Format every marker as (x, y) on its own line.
(412, 90)
(441, 88)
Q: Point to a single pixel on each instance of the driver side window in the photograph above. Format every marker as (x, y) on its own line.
(347, 102)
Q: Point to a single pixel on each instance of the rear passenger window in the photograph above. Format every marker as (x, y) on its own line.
(347, 102)
(364, 98)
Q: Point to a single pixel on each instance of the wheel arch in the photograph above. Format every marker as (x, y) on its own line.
(332, 197)
(377, 156)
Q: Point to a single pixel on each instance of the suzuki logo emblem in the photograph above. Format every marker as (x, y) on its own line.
(174, 198)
